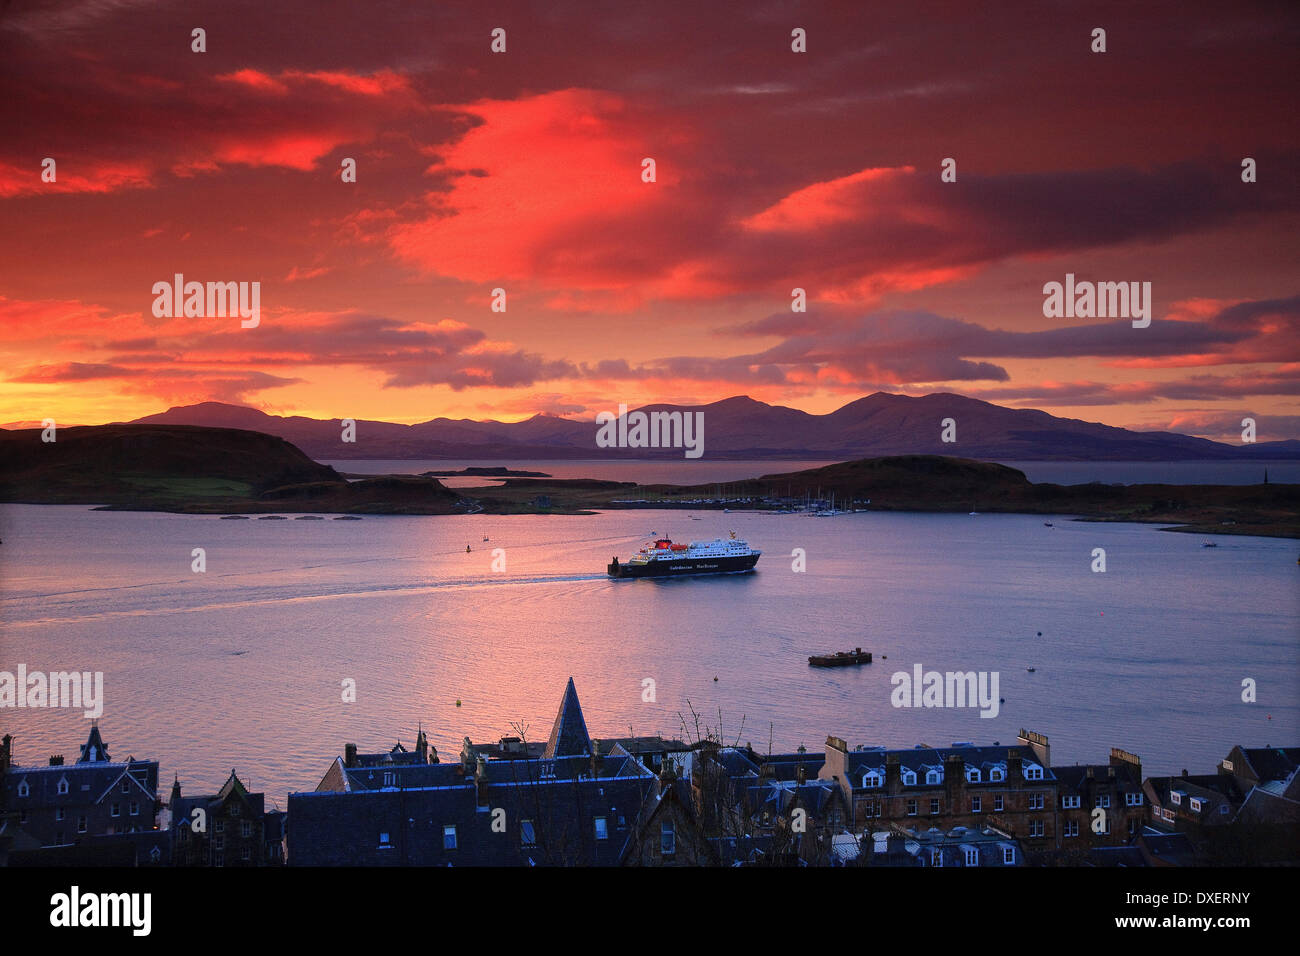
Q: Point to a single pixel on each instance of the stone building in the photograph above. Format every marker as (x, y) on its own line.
(1010, 788)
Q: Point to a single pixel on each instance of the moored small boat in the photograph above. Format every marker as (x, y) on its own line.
(841, 658)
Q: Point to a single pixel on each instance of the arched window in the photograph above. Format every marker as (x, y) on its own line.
(63, 785)
(23, 789)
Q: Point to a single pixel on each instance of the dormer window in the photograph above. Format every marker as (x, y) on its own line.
(909, 778)
(1175, 798)
(997, 775)
(870, 779)
(934, 776)
(973, 775)
(1033, 772)
(972, 856)
(63, 785)
(1196, 804)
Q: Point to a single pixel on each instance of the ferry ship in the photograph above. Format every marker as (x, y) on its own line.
(666, 559)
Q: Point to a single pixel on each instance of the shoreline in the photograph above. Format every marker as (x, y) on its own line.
(1233, 529)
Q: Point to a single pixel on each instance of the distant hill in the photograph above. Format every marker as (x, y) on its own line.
(739, 428)
(121, 463)
(196, 469)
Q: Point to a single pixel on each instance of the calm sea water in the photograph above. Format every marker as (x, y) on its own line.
(241, 666)
(702, 471)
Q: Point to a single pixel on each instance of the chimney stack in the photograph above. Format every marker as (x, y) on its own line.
(349, 755)
(1134, 762)
(1013, 766)
(954, 771)
(837, 759)
(481, 781)
(893, 772)
(595, 758)
(1039, 745)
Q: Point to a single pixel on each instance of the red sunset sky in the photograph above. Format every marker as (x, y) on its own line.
(775, 169)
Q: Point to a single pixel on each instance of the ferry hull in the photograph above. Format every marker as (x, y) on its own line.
(684, 567)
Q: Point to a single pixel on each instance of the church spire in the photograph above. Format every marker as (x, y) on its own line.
(569, 737)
